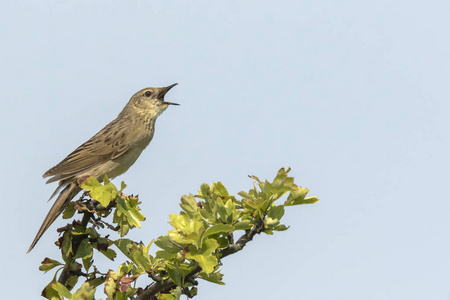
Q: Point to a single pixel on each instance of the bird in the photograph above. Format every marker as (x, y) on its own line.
(110, 152)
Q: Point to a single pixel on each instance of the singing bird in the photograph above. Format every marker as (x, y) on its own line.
(110, 152)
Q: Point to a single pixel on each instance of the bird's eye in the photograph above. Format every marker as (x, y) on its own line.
(147, 94)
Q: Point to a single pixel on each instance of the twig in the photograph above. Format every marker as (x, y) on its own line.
(156, 287)
(76, 241)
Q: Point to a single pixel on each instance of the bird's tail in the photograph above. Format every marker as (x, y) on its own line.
(70, 191)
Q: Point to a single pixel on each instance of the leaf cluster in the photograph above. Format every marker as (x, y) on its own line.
(203, 233)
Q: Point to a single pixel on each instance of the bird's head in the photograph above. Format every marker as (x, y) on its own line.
(150, 101)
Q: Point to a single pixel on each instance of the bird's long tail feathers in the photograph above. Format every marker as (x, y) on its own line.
(70, 191)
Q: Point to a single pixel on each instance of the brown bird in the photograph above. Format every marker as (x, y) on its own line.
(110, 152)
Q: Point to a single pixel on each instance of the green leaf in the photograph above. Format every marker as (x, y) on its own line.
(124, 269)
(102, 193)
(50, 293)
(124, 228)
(219, 189)
(131, 213)
(310, 200)
(61, 289)
(126, 246)
(164, 242)
(96, 282)
(281, 227)
(276, 212)
(87, 262)
(122, 187)
(109, 253)
(84, 250)
(110, 283)
(225, 210)
(245, 195)
(254, 178)
(215, 277)
(204, 190)
(271, 223)
(176, 276)
(167, 297)
(193, 291)
(69, 211)
(222, 239)
(217, 229)
(186, 231)
(67, 244)
(243, 225)
(71, 282)
(189, 205)
(47, 264)
(120, 296)
(169, 248)
(204, 255)
(296, 197)
(142, 260)
(85, 292)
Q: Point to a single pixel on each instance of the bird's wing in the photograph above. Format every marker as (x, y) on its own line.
(110, 143)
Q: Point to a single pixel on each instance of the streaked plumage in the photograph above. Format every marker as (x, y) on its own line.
(111, 151)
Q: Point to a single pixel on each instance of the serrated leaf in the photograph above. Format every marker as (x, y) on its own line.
(110, 253)
(189, 205)
(204, 190)
(296, 196)
(215, 277)
(137, 215)
(102, 193)
(219, 189)
(204, 255)
(133, 216)
(186, 231)
(141, 260)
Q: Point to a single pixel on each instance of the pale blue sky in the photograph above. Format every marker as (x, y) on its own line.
(352, 95)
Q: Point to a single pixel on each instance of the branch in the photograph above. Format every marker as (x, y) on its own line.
(201, 231)
(157, 287)
(243, 240)
(76, 241)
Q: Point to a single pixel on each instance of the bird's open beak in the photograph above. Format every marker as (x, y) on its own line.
(165, 90)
